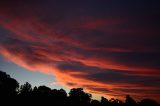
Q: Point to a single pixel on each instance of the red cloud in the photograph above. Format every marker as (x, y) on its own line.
(90, 48)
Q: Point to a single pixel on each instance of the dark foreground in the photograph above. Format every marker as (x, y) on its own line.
(13, 95)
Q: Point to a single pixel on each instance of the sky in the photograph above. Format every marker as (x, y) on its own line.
(107, 47)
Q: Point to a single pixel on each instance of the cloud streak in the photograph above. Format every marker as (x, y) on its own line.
(90, 47)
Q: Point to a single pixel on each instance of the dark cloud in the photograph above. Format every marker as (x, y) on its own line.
(108, 75)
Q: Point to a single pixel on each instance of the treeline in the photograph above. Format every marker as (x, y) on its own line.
(13, 94)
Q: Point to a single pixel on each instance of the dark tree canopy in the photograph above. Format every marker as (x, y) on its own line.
(45, 96)
(130, 101)
(79, 95)
(8, 85)
(25, 89)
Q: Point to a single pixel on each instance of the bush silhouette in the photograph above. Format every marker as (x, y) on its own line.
(12, 94)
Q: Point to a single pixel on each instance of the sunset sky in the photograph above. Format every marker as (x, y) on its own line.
(107, 47)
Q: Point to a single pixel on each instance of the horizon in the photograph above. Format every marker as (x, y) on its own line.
(22, 86)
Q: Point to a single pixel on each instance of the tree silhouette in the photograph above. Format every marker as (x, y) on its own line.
(25, 89)
(79, 96)
(104, 101)
(45, 96)
(8, 89)
(130, 101)
(115, 102)
(148, 102)
(95, 103)
(8, 85)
